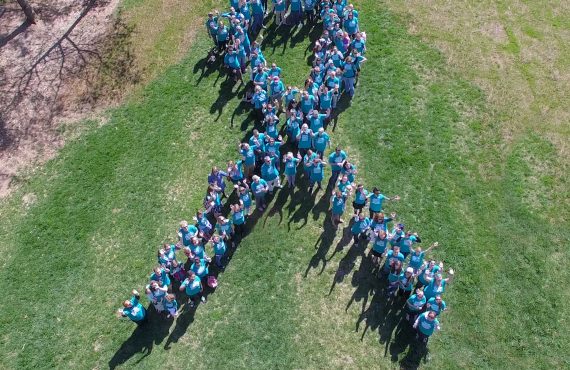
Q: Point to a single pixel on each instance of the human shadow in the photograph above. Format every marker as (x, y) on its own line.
(226, 93)
(305, 201)
(348, 262)
(207, 67)
(343, 103)
(324, 243)
(143, 339)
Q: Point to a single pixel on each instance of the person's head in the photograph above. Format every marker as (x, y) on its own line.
(271, 140)
(438, 299)
(273, 66)
(347, 165)
(275, 79)
(344, 179)
(400, 227)
(309, 152)
(191, 275)
(157, 270)
(315, 113)
(196, 259)
(220, 23)
(257, 88)
(438, 278)
(255, 179)
(338, 193)
(419, 293)
(187, 252)
(321, 131)
(267, 159)
(305, 127)
(376, 190)
(127, 304)
(396, 249)
(382, 234)
(255, 133)
(199, 214)
(289, 155)
(184, 225)
(216, 239)
(409, 272)
(418, 250)
(361, 216)
(338, 150)
(431, 315)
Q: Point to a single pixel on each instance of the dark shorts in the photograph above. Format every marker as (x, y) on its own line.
(376, 254)
(358, 206)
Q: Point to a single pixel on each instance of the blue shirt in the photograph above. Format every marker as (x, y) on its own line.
(376, 202)
(291, 166)
(192, 287)
(433, 306)
(136, 312)
(426, 326)
(320, 141)
(338, 204)
(360, 226)
(268, 171)
(336, 160)
(259, 189)
(304, 140)
(416, 304)
(316, 122)
(317, 171)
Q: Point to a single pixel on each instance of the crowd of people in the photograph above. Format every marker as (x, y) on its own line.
(260, 167)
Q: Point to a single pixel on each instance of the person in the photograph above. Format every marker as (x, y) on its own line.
(238, 221)
(348, 76)
(338, 203)
(197, 248)
(160, 275)
(212, 26)
(379, 244)
(321, 141)
(270, 174)
(171, 306)
(392, 256)
(225, 230)
(133, 309)
(360, 199)
(271, 123)
(177, 271)
(235, 171)
(277, 90)
(407, 242)
(344, 185)
(192, 286)
(336, 160)
(380, 221)
(213, 200)
(220, 249)
(291, 168)
(245, 197)
(415, 305)
(349, 170)
(232, 62)
(309, 6)
(359, 227)
(260, 189)
(216, 178)
(186, 232)
(204, 225)
(317, 171)
(304, 139)
(248, 157)
(296, 13)
(257, 142)
(377, 199)
(222, 36)
(167, 254)
(155, 293)
(426, 272)
(351, 25)
(436, 304)
(437, 284)
(406, 283)
(426, 324)
(259, 99)
(316, 120)
(258, 12)
(307, 102)
(417, 257)
(280, 8)
(395, 270)
(200, 268)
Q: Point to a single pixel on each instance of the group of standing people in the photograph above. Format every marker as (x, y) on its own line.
(337, 58)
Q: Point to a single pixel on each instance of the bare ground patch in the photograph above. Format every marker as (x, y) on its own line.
(42, 75)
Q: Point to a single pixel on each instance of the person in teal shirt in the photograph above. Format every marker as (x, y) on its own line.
(171, 306)
(222, 36)
(376, 201)
(248, 156)
(271, 126)
(133, 309)
(212, 26)
(436, 304)
(395, 269)
(344, 185)
(325, 100)
(359, 227)
(360, 199)
(304, 139)
(186, 232)
(336, 160)
(238, 221)
(291, 168)
(277, 89)
(225, 229)
(348, 76)
(379, 244)
(293, 126)
(260, 189)
(296, 13)
(407, 242)
(426, 324)
(316, 120)
(258, 11)
(307, 102)
(317, 171)
(437, 284)
(406, 283)
(192, 286)
(245, 197)
(417, 257)
(200, 267)
(321, 141)
(338, 204)
(270, 174)
(427, 271)
(415, 305)
(235, 171)
(392, 256)
(351, 25)
(219, 247)
(160, 275)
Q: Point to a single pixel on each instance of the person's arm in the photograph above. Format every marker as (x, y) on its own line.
(450, 276)
(417, 322)
(432, 246)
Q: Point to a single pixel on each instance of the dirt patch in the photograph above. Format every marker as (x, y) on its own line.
(42, 75)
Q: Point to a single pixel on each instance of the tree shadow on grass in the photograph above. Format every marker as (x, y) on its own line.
(143, 339)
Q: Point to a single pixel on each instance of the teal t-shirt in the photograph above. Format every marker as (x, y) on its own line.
(416, 260)
(291, 166)
(136, 312)
(338, 204)
(433, 306)
(192, 287)
(416, 304)
(376, 202)
(320, 141)
(426, 326)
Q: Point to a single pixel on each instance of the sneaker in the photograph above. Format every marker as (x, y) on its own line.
(341, 221)
(203, 299)
(191, 304)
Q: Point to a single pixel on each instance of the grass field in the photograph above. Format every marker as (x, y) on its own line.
(83, 230)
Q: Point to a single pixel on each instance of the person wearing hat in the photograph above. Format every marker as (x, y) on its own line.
(277, 89)
(291, 168)
(321, 141)
(133, 309)
(336, 160)
(212, 26)
(377, 199)
(270, 174)
(406, 283)
(415, 305)
(186, 232)
(192, 286)
(426, 324)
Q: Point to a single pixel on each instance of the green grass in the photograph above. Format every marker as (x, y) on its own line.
(83, 230)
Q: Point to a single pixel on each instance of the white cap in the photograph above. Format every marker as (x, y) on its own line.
(410, 270)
